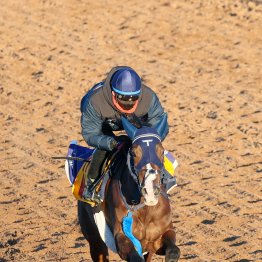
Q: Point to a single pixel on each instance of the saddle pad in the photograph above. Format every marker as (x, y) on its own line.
(72, 167)
(80, 185)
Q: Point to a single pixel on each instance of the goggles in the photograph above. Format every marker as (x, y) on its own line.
(127, 98)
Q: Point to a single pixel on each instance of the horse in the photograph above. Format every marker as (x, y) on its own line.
(136, 206)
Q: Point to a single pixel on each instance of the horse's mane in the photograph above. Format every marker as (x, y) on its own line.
(121, 173)
(120, 160)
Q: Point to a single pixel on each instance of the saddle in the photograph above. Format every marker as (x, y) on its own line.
(76, 169)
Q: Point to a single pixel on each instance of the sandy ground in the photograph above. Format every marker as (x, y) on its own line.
(203, 58)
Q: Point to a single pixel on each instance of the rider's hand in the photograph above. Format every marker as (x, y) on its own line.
(115, 144)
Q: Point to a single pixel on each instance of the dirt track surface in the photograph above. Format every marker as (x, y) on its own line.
(203, 58)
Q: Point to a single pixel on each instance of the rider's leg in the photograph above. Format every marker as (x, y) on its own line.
(93, 172)
(95, 167)
(95, 164)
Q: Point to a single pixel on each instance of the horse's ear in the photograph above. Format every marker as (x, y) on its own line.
(162, 126)
(129, 128)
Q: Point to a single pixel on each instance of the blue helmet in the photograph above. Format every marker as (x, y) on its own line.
(126, 82)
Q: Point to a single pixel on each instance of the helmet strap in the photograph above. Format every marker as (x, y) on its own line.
(120, 108)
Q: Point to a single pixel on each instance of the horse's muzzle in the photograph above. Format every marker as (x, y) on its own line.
(156, 191)
(150, 196)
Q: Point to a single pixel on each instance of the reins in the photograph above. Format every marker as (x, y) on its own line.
(131, 208)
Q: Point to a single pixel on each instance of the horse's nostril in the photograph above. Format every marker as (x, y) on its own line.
(143, 191)
(152, 171)
(157, 191)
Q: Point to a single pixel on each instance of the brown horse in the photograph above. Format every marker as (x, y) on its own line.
(136, 207)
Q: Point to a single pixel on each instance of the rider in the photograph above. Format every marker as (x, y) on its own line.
(120, 94)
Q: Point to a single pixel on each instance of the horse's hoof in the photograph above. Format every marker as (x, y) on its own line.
(172, 255)
(173, 259)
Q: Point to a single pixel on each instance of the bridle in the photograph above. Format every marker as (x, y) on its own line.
(150, 175)
(147, 138)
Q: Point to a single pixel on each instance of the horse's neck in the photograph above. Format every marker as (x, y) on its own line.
(122, 174)
(129, 187)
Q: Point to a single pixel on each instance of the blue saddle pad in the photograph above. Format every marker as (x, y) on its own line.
(74, 166)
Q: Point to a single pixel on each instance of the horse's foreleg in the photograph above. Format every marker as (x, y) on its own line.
(98, 249)
(169, 248)
(148, 256)
(126, 249)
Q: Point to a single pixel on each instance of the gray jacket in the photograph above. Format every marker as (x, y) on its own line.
(100, 117)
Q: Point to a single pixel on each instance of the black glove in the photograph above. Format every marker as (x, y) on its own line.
(113, 144)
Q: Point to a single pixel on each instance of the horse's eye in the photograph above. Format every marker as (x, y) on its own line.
(133, 154)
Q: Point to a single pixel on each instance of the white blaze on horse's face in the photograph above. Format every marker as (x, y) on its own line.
(149, 189)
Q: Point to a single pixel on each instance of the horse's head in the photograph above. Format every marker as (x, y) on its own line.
(146, 158)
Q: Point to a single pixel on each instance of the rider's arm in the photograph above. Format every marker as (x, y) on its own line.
(156, 113)
(91, 123)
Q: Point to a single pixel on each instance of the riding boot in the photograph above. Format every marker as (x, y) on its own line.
(89, 193)
(169, 182)
(92, 174)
